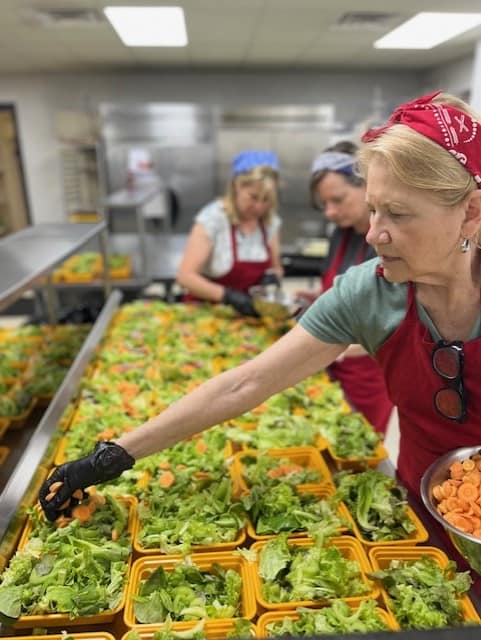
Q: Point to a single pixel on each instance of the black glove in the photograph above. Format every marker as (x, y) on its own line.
(107, 462)
(270, 277)
(242, 302)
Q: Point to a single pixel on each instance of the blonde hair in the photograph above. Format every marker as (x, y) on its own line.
(266, 176)
(420, 163)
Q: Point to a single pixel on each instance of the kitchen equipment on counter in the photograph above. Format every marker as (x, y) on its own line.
(271, 301)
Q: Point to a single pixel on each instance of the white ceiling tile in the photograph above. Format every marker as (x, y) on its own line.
(246, 33)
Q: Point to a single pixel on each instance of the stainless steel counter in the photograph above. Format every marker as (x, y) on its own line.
(30, 254)
(26, 467)
(132, 198)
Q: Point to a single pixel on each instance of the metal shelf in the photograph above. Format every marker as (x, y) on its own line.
(28, 463)
(30, 254)
(25, 258)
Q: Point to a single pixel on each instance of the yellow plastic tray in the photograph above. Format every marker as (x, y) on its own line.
(129, 501)
(63, 619)
(4, 451)
(277, 616)
(307, 457)
(417, 537)
(359, 464)
(143, 567)
(70, 276)
(59, 457)
(213, 630)
(17, 422)
(3, 563)
(8, 545)
(31, 494)
(322, 492)
(349, 547)
(198, 548)
(381, 558)
(90, 635)
(122, 273)
(4, 424)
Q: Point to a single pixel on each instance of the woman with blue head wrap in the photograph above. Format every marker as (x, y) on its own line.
(337, 190)
(235, 239)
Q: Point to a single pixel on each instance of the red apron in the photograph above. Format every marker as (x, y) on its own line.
(425, 435)
(405, 358)
(243, 274)
(360, 377)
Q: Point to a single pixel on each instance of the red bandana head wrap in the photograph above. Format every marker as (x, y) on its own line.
(454, 130)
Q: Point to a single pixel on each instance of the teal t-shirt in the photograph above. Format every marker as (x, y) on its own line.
(363, 308)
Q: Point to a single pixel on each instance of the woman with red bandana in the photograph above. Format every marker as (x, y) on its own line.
(235, 241)
(340, 193)
(416, 308)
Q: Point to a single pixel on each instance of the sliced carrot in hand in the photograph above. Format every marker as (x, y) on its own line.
(81, 512)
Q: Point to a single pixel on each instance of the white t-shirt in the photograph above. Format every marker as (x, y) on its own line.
(250, 247)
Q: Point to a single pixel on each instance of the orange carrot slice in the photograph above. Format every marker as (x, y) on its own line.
(166, 479)
(81, 512)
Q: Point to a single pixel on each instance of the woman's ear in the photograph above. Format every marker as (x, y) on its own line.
(472, 209)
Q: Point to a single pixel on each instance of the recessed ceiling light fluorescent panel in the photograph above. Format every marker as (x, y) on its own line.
(148, 26)
(427, 30)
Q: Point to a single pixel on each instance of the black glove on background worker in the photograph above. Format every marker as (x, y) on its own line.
(270, 277)
(242, 302)
(107, 461)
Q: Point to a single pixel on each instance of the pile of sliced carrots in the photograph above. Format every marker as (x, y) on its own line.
(82, 511)
(459, 497)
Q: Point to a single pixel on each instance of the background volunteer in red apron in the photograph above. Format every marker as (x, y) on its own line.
(235, 239)
(340, 194)
(416, 308)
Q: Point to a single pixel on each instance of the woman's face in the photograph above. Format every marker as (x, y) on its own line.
(415, 237)
(253, 200)
(343, 203)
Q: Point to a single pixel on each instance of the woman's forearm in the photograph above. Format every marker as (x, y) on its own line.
(201, 287)
(226, 396)
(292, 358)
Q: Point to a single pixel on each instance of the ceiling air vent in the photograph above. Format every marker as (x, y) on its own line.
(64, 17)
(365, 21)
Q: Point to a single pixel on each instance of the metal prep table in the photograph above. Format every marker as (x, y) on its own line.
(135, 200)
(25, 258)
(31, 254)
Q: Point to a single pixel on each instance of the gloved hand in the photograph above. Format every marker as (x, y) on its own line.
(242, 302)
(270, 277)
(107, 461)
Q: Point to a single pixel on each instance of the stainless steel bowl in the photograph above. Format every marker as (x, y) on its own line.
(468, 546)
(272, 302)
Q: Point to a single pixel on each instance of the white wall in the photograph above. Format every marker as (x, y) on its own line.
(38, 97)
(454, 77)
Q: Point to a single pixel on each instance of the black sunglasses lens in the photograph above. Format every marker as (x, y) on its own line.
(446, 362)
(449, 403)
